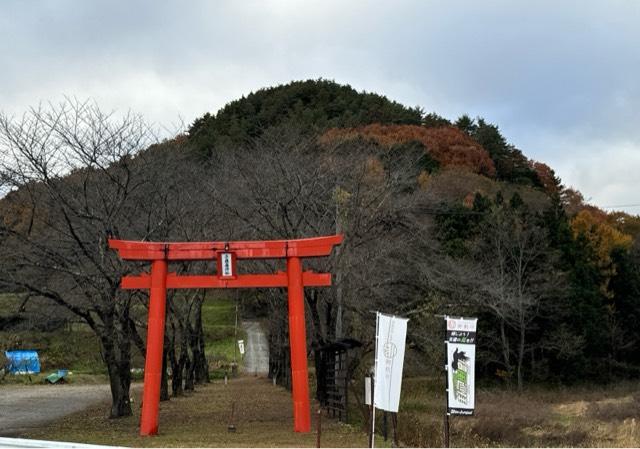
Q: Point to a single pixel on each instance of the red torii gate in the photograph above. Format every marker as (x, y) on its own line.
(226, 255)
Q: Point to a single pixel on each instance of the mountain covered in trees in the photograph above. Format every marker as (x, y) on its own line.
(307, 105)
(440, 217)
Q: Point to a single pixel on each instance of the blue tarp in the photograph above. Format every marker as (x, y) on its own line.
(23, 362)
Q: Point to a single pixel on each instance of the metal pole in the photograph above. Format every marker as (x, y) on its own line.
(235, 336)
(446, 380)
(319, 428)
(446, 429)
(373, 383)
(298, 345)
(155, 343)
(373, 416)
(232, 419)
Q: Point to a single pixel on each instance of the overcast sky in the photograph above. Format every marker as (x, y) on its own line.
(561, 79)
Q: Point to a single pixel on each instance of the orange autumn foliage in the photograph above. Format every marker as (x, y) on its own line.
(627, 224)
(546, 176)
(446, 144)
(468, 200)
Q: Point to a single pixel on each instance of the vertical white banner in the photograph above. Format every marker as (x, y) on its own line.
(390, 344)
(461, 361)
(241, 346)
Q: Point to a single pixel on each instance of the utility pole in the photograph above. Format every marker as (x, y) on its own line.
(340, 197)
(235, 337)
(234, 369)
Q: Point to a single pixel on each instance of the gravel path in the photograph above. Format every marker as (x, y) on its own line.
(256, 357)
(26, 407)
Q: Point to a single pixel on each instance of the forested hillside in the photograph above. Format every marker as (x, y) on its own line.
(440, 217)
(309, 106)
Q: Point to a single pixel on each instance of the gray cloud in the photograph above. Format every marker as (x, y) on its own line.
(560, 78)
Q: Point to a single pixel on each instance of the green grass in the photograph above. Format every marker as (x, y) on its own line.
(218, 312)
(8, 303)
(73, 347)
(218, 322)
(77, 349)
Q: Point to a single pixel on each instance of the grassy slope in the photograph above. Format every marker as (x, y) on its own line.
(585, 416)
(75, 348)
(218, 321)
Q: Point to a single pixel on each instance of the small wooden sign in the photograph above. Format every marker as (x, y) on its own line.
(227, 265)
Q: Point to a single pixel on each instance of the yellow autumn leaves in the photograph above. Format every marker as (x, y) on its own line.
(603, 237)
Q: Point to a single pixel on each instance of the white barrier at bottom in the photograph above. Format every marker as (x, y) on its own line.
(26, 443)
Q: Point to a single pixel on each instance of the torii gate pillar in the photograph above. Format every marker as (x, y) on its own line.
(298, 347)
(155, 348)
(226, 254)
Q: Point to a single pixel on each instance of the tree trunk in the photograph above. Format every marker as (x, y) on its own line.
(176, 366)
(521, 356)
(319, 340)
(321, 375)
(177, 369)
(164, 380)
(189, 379)
(506, 353)
(119, 370)
(201, 366)
(339, 279)
(186, 359)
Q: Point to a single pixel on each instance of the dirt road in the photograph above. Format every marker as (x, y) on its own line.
(256, 357)
(28, 407)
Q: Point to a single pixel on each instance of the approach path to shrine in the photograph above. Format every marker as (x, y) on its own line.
(256, 359)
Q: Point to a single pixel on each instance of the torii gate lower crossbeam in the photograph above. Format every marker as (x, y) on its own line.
(225, 254)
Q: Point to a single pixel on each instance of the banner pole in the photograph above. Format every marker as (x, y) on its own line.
(373, 384)
(373, 418)
(446, 380)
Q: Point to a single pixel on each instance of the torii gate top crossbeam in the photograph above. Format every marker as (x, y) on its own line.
(265, 249)
(182, 251)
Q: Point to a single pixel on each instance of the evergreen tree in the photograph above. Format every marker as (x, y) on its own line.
(433, 120)
(511, 164)
(312, 105)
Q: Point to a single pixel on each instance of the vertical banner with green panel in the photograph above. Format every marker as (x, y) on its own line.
(461, 358)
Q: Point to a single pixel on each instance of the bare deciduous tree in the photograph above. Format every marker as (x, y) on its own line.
(285, 185)
(519, 273)
(71, 168)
